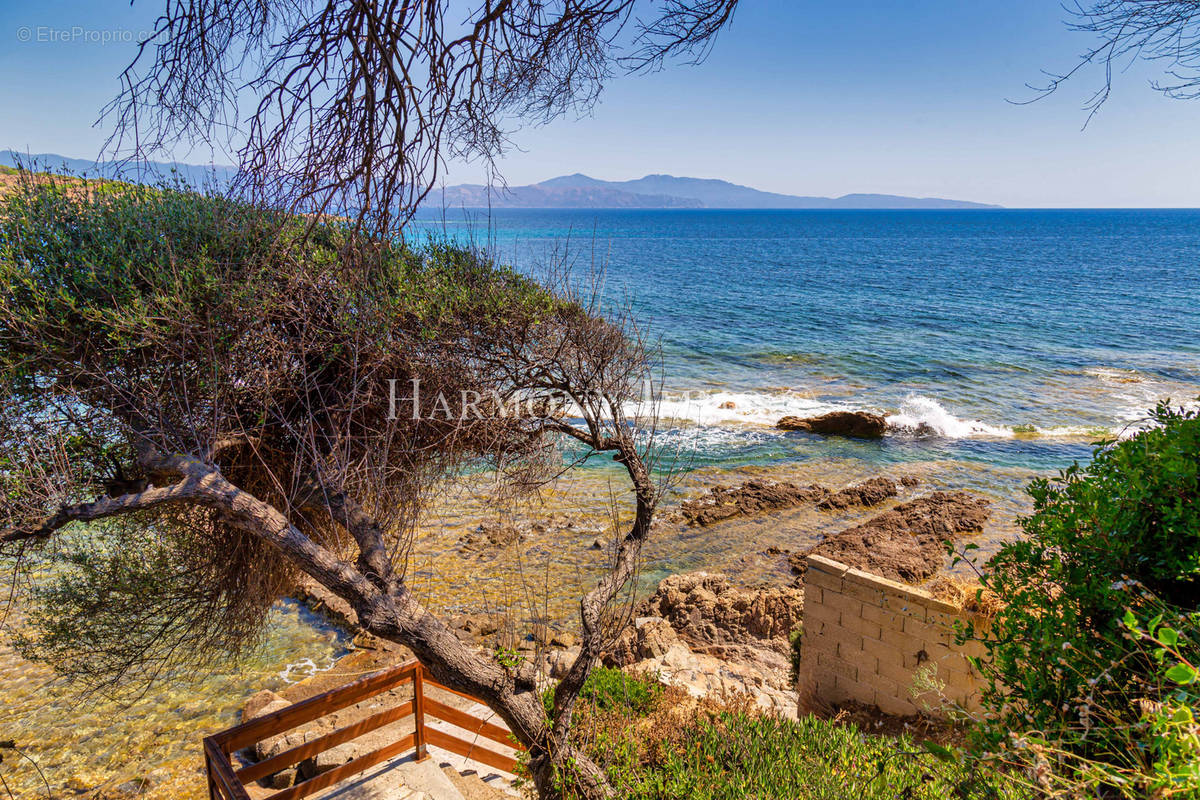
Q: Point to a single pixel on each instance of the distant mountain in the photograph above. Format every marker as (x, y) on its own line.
(141, 171)
(713, 193)
(548, 195)
(566, 191)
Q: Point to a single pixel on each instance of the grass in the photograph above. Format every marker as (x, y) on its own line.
(675, 747)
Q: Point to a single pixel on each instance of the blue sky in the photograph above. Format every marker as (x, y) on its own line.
(798, 97)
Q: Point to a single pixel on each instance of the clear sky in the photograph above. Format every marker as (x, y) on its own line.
(818, 98)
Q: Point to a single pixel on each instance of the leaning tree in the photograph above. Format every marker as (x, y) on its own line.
(196, 391)
(198, 406)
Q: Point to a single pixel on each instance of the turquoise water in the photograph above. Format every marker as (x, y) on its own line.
(1011, 338)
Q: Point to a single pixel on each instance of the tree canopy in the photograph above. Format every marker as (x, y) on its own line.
(356, 106)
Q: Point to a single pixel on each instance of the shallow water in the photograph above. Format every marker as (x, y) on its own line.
(81, 742)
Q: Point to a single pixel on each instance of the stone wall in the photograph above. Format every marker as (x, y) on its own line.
(872, 640)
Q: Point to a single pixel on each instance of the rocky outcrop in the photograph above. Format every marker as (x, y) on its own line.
(868, 493)
(905, 543)
(701, 632)
(856, 424)
(755, 497)
(752, 497)
(489, 537)
(718, 618)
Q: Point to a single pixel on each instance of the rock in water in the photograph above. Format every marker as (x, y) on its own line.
(868, 493)
(906, 542)
(857, 424)
(752, 497)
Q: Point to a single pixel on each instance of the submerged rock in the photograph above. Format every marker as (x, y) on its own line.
(753, 497)
(856, 424)
(868, 493)
(905, 543)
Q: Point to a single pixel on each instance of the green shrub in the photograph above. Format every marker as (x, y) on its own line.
(738, 755)
(607, 689)
(1077, 681)
(667, 745)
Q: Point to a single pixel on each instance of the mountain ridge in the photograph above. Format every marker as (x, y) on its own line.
(577, 190)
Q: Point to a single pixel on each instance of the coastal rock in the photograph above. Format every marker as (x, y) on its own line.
(905, 543)
(702, 614)
(649, 637)
(484, 628)
(752, 497)
(708, 612)
(557, 663)
(489, 536)
(699, 632)
(856, 424)
(868, 493)
(256, 705)
(562, 639)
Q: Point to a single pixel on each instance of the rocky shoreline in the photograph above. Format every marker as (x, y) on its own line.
(699, 630)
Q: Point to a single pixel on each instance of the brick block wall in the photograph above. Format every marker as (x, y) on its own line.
(866, 637)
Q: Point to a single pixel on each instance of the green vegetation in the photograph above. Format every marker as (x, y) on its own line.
(1092, 659)
(607, 689)
(658, 743)
(130, 307)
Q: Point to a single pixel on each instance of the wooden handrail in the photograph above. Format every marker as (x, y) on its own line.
(472, 751)
(465, 721)
(360, 764)
(260, 728)
(322, 743)
(226, 783)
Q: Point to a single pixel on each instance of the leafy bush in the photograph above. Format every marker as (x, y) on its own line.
(606, 689)
(1087, 656)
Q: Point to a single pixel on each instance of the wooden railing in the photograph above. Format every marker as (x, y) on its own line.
(225, 782)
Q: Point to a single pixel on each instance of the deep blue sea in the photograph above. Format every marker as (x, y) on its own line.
(1008, 337)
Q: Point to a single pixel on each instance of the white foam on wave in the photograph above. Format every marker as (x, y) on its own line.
(302, 670)
(715, 408)
(719, 419)
(924, 416)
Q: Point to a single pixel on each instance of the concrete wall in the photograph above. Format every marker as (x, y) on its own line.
(866, 637)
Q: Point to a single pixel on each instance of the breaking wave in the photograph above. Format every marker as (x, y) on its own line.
(924, 416)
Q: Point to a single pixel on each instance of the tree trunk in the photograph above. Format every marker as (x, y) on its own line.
(568, 772)
(556, 767)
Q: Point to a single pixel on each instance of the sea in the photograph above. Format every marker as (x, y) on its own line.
(1001, 345)
(1013, 338)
